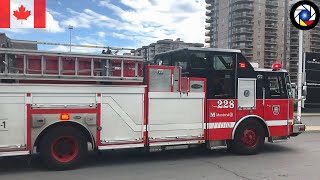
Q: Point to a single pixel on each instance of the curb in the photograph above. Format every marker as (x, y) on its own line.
(309, 114)
(312, 128)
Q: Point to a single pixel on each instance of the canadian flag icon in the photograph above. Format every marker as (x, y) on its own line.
(23, 14)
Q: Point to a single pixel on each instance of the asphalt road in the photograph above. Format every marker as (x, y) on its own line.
(298, 158)
(311, 120)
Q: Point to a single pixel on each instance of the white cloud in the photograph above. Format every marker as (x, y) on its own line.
(87, 40)
(52, 25)
(101, 34)
(147, 20)
(55, 13)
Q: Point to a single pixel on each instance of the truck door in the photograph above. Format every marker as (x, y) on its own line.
(221, 96)
(276, 104)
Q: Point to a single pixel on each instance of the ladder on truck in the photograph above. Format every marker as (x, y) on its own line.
(21, 64)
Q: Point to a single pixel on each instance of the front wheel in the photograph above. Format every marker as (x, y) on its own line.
(63, 148)
(249, 138)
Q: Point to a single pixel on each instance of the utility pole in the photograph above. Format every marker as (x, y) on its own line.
(284, 64)
(300, 76)
(70, 28)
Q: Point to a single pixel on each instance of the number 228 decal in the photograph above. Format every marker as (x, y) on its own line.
(225, 104)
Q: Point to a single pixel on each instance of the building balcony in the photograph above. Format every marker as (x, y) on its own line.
(271, 27)
(242, 1)
(272, 11)
(295, 34)
(294, 44)
(209, 12)
(293, 64)
(242, 7)
(315, 47)
(268, 57)
(209, 26)
(315, 44)
(271, 18)
(293, 39)
(245, 47)
(209, 20)
(242, 23)
(209, 6)
(314, 33)
(270, 49)
(247, 39)
(269, 42)
(208, 40)
(247, 52)
(246, 15)
(271, 34)
(316, 28)
(209, 33)
(315, 40)
(272, 3)
(247, 31)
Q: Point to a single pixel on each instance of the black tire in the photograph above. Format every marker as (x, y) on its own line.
(249, 138)
(63, 148)
(229, 146)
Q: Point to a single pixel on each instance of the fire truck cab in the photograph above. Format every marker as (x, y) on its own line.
(260, 100)
(56, 103)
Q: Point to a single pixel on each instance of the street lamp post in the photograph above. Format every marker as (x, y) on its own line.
(300, 76)
(70, 28)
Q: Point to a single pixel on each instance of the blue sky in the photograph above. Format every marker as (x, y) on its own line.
(118, 23)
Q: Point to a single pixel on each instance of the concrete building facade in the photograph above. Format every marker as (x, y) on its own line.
(148, 52)
(5, 42)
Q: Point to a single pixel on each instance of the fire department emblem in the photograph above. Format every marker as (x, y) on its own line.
(276, 109)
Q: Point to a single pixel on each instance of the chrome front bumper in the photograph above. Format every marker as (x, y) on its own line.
(298, 129)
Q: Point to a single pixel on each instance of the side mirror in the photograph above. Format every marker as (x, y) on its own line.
(294, 90)
(304, 92)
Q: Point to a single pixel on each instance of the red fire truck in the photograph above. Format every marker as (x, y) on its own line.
(56, 104)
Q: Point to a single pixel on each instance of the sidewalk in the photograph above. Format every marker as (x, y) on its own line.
(313, 129)
(312, 121)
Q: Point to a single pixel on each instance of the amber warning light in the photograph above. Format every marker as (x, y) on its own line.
(276, 66)
(64, 117)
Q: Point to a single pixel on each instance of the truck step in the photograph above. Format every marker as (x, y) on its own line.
(278, 139)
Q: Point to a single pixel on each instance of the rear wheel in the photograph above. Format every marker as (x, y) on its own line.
(63, 148)
(249, 138)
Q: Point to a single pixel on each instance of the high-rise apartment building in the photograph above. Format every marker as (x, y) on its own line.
(257, 27)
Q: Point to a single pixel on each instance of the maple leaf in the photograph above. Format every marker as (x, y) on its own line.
(22, 14)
